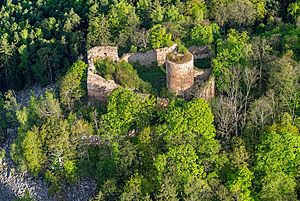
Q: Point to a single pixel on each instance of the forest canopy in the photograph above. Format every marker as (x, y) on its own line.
(243, 144)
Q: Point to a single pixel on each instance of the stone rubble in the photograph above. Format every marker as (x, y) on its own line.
(14, 183)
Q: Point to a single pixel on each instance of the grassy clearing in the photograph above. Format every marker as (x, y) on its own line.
(155, 75)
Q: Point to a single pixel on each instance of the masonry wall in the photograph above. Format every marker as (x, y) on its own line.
(102, 52)
(200, 52)
(180, 76)
(204, 85)
(98, 88)
(208, 90)
(149, 58)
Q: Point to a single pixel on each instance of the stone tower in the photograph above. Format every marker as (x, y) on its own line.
(180, 73)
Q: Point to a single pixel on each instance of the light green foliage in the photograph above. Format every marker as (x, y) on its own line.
(239, 183)
(238, 12)
(231, 52)
(197, 189)
(127, 156)
(239, 157)
(2, 154)
(159, 37)
(192, 152)
(239, 177)
(187, 122)
(196, 9)
(123, 21)
(38, 110)
(294, 9)
(3, 121)
(70, 169)
(204, 34)
(284, 79)
(157, 12)
(106, 68)
(10, 106)
(132, 189)
(46, 141)
(71, 88)
(168, 189)
(119, 13)
(108, 191)
(184, 160)
(127, 76)
(26, 197)
(182, 49)
(172, 14)
(125, 110)
(98, 31)
(32, 151)
(134, 148)
(277, 161)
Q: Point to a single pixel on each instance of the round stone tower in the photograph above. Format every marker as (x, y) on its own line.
(180, 72)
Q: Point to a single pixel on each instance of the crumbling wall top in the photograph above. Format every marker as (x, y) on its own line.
(101, 52)
(200, 52)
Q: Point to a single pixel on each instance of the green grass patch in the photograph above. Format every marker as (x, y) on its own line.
(155, 75)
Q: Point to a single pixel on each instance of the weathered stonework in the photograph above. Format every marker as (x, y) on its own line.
(180, 76)
(99, 88)
(208, 91)
(204, 85)
(151, 57)
(200, 52)
(102, 52)
(182, 79)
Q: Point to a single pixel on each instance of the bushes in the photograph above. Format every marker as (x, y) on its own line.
(49, 143)
(204, 34)
(159, 37)
(73, 84)
(123, 73)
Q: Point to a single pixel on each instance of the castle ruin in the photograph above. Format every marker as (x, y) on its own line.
(182, 77)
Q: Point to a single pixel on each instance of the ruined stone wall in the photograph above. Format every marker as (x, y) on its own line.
(204, 87)
(98, 88)
(202, 74)
(208, 90)
(200, 52)
(180, 76)
(161, 54)
(144, 58)
(151, 57)
(101, 52)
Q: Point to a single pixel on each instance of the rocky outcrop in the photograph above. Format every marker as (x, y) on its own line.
(14, 183)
